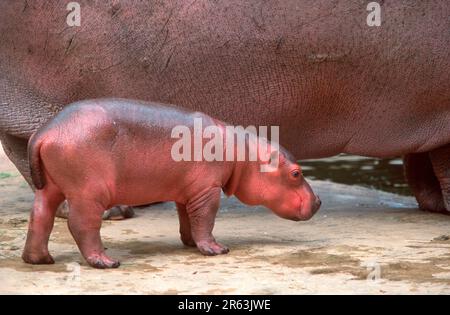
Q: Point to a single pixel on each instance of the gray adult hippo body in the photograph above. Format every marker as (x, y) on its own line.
(315, 68)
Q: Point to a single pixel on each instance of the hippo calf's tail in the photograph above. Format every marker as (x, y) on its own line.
(34, 158)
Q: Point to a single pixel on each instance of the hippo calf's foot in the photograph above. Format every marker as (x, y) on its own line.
(102, 261)
(212, 248)
(37, 258)
(85, 220)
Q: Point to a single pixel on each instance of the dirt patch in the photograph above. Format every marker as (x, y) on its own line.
(417, 271)
(318, 261)
(357, 249)
(5, 238)
(141, 267)
(222, 292)
(129, 232)
(18, 265)
(17, 222)
(321, 262)
(139, 248)
(442, 239)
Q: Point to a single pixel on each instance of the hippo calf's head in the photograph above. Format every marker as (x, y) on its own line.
(284, 190)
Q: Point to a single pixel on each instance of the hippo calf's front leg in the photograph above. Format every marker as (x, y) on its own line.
(185, 226)
(202, 212)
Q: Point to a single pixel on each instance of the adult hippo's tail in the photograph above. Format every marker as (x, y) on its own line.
(34, 158)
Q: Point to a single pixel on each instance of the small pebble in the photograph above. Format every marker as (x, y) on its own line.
(17, 222)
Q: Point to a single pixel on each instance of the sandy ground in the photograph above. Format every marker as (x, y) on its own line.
(362, 241)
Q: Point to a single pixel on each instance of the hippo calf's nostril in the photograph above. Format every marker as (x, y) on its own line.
(317, 204)
(318, 201)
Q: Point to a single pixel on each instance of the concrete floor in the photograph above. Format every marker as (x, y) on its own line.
(361, 241)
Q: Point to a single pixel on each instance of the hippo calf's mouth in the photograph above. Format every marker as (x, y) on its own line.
(306, 214)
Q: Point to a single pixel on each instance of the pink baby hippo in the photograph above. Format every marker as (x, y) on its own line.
(106, 152)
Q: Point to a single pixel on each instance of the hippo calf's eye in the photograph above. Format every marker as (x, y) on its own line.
(295, 173)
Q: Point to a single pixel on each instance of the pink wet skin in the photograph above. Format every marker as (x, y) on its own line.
(120, 153)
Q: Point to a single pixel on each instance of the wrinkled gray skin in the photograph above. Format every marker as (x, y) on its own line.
(314, 68)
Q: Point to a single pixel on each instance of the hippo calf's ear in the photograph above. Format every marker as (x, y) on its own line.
(274, 161)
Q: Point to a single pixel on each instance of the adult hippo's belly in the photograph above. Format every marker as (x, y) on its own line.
(314, 68)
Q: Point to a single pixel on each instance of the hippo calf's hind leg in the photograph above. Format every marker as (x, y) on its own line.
(440, 159)
(202, 214)
(85, 220)
(423, 182)
(41, 224)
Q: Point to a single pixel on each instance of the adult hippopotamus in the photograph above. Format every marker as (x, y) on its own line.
(99, 153)
(315, 68)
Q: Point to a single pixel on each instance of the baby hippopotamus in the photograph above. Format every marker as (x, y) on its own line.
(105, 152)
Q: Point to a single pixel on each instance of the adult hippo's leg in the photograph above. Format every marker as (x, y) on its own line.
(16, 150)
(423, 182)
(115, 213)
(440, 159)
